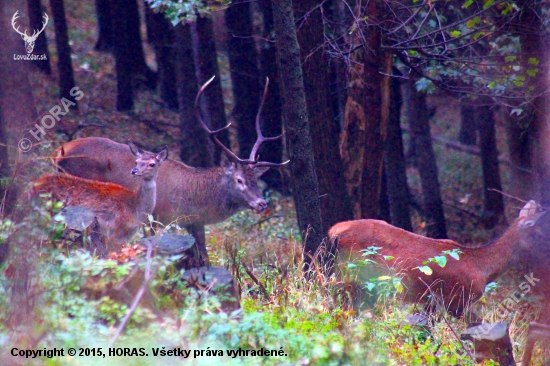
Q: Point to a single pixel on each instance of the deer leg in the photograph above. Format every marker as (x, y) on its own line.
(197, 231)
(535, 332)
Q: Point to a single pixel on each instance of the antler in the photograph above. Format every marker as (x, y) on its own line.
(13, 19)
(260, 139)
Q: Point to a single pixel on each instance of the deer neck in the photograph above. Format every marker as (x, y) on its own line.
(500, 255)
(146, 197)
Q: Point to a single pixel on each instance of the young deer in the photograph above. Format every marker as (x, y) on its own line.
(194, 197)
(460, 282)
(119, 210)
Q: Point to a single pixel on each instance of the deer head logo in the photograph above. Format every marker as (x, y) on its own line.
(29, 40)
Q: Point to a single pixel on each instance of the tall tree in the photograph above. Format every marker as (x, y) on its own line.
(160, 33)
(123, 57)
(335, 204)
(467, 134)
(394, 161)
(364, 121)
(493, 202)
(272, 121)
(36, 22)
(245, 75)
(304, 179)
(194, 141)
(105, 37)
(64, 62)
(417, 118)
(140, 70)
(206, 60)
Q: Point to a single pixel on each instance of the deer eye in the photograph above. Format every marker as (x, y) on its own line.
(239, 180)
(152, 165)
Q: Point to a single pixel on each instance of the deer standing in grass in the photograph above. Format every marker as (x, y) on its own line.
(192, 196)
(119, 211)
(460, 282)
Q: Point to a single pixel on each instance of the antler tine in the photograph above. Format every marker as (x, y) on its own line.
(261, 138)
(13, 19)
(211, 133)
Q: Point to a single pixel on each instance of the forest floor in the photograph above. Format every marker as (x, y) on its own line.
(309, 318)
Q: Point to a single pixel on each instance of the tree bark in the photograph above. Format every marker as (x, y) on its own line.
(105, 37)
(304, 179)
(243, 64)
(335, 204)
(194, 141)
(467, 133)
(124, 64)
(160, 33)
(64, 62)
(140, 70)
(395, 165)
(417, 116)
(519, 147)
(493, 202)
(36, 19)
(272, 121)
(206, 60)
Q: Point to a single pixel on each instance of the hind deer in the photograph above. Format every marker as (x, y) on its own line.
(539, 262)
(460, 282)
(192, 196)
(118, 210)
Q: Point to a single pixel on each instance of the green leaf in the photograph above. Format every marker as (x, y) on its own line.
(510, 58)
(384, 278)
(473, 22)
(456, 33)
(533, 61)
(532, 72)
(488, 3)
(518, 83)
(425, 269)
(441, 260)
(492, 85)
(370, 285)
(453, 253)
(467, 4)
(477, 35)
(388, 257)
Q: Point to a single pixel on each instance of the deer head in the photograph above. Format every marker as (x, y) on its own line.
(29, 40)
(242, 173)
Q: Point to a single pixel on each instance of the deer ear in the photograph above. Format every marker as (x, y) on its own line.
(163, 154)
(135, 150)
(532, 220)
(259, 171)
(226, 162)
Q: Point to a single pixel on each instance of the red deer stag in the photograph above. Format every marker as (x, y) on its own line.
(119, 210)
(460, 282)
(195, 197)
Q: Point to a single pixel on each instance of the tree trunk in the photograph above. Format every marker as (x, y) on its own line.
(467, 133)
(417, 116)
(123, 58)
(160, 33)
(272, 121)
(395, 165)
(519, 145)
(140, 70)
(206, 60)
(36, 19)
(105, 38)
(493, 202)
(335, 204)
(194, 141)
(304, 179)
(243, 63)
(64, 63)
(364, 126)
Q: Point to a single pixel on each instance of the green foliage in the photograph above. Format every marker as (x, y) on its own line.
(440, 260)
(184, 11)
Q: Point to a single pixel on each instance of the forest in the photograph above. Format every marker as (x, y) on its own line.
(274, 182)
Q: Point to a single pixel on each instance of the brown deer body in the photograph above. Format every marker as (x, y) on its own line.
(460, 282)
(118, 209)
(191, 196)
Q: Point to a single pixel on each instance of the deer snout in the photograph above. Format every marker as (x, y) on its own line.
(259, 205)
(135, 171)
